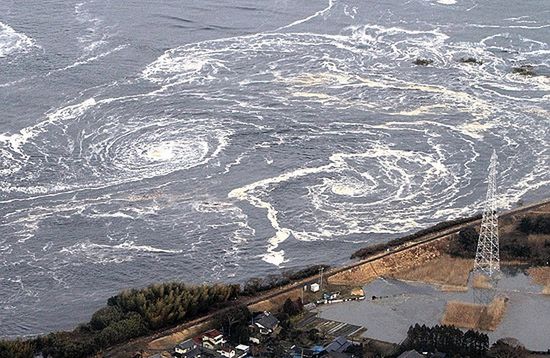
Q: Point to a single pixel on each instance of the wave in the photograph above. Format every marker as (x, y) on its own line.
(104, 254)
(13, 42)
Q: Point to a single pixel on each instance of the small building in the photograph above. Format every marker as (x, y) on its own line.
(213, 339)
(183, 348)
(339, 345)
(242, 350)
(227, 352)
(314, 287)
(411, 354)
(266, 323)
(330, 296)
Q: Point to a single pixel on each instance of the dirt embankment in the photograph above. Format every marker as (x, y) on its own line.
(274, 303)
(396, 264)
(541, 276)
(475, 316)
(449, 273)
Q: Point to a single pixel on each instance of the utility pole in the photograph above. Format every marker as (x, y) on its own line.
(321, 278)
(487, 259)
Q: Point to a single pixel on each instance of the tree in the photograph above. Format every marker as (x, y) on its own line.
(292, 308)
(502, 350)
(104, 317)
(234, 323)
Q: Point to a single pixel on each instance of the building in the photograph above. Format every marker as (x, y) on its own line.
(330, 296)
(411, 354)
(187, 349)
(338, 345)
(227, 352)
(242, 351)
(213, 339)
(314, 287)
(266, 323)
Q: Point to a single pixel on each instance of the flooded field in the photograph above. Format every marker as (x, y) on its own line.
(399, 305)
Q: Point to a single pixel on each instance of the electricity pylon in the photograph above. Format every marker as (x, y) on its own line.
(487, 260)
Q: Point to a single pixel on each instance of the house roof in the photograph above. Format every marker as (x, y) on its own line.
(411, 354)
(339, 355)
(187, 344)
(213, 333)
(266, 320)
(340, 344)
(195, 352)
(242, 347)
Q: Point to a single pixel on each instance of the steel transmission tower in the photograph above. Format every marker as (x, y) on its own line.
(487, 260)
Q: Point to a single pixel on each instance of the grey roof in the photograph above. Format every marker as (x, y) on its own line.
(266, 320)
(411, 354)
(340, 344)
(196, 352)
(186, 344)
(339, 355)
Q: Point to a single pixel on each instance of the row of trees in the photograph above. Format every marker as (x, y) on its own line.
(512, 246)
(130, 314)
(539, 224)
(378, 248)
(446, 339)
(256, 285)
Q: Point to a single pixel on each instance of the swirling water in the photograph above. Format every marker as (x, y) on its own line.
(209, 141)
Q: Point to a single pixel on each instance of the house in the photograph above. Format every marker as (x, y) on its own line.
(331, 296)
(213, 339)
(338, 355)
(242, 350)
(187, 349)
(298, 352)
(338, 345)
(227, 352)
(410, 354)
(314, 287)
(266, 323)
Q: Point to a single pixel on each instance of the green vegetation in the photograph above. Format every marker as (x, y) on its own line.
(130, 314)
(234, 323)
(514, 246)
(466, 244)
(378, 248)
(446, 339)
(256, 285)
(535, 225)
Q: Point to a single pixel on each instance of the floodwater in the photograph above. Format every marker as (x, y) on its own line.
(204, 141)
(402, 304)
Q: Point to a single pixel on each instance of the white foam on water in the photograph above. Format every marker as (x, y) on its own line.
(446, 2)
(105, 254)
(13, 42)
(257, 193)
(322, 12)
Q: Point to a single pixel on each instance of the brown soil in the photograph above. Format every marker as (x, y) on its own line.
(448, 272)
(390, 265)
(273, 304)
(168, 342)
(541, 276)
(481, 281)
(475, 316)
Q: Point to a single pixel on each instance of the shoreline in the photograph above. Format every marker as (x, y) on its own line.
(426, 244)
(286, 291)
